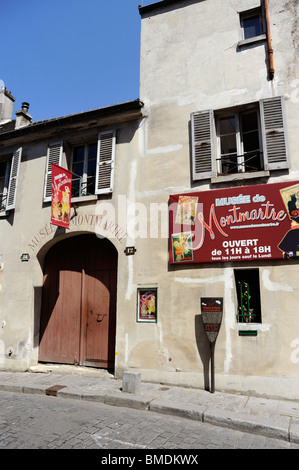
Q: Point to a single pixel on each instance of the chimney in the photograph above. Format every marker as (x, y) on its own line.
(6, 105)
(23, 117)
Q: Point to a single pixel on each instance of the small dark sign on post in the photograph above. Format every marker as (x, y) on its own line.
(211, 313)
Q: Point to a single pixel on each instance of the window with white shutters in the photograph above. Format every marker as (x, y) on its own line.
(105, 162)
(54, 155)
(93, 166)
(9, 173)
(245, 139)
(202, 144)
(275, 143)
(13, 179)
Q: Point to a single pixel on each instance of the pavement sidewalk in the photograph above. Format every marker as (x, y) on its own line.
(268, 417)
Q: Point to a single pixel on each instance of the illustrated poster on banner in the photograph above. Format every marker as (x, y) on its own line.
(61, 196)
(236, 224)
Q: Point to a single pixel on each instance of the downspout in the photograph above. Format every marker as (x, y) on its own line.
(269, 41)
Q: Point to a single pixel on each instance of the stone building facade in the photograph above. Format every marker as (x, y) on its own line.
(201, 192)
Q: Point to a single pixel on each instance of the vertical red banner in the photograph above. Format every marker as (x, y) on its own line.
(61, 196)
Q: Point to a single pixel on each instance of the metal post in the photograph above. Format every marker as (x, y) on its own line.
(212, 349)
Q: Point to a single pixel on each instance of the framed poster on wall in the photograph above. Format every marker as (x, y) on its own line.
(147, 302)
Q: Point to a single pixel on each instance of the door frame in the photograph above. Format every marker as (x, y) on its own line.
(111, 336)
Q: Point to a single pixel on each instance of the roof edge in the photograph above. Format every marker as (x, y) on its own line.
(162, 4)
(73, 118)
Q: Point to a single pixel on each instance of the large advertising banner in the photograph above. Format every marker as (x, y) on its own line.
(61, 196)
(237, 224)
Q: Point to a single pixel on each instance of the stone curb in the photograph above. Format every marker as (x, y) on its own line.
(268, 424)
(274, 426)
(194, 412)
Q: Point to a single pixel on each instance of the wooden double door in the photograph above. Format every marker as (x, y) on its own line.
(78, 316)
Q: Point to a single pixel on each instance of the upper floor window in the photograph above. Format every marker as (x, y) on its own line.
(4, 167)
(252, 26)
(240, 147)
(84, 170)
(92, 166)
(245, 139)
(9, 172)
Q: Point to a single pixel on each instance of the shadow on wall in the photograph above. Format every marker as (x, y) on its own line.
(203, 347)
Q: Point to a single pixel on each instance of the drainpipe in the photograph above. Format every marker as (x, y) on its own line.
(269, 41)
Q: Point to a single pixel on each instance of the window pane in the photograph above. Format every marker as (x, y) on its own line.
(249, 121)
(2, 176)
(227, 125)
(78, 155)
(75, 187)
(229, 164)
(90, 186)
(91, 168)
(92, 151)
(3, 167)
(251, 142)
(92, 160)
(78, 170)
(227, 129)
(248, 295)
(228, 144)
(252, 27)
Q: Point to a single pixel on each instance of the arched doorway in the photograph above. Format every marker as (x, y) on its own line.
(78, 315)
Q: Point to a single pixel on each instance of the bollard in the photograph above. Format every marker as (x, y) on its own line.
(131, 382)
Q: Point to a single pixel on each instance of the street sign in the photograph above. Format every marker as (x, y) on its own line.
(211, 313)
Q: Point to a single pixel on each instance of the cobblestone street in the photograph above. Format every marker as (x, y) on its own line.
(45, 422)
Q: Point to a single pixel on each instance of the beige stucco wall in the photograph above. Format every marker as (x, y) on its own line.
(27, 229)
(190, 61)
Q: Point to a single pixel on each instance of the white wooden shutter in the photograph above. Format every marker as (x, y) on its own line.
(105, 162)
(13, 179)
(54, 155)
(275, 144)
(202, 145)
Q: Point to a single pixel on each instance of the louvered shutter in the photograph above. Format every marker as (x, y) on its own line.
(275, 144)
(13, 179)
(105, 162)
(202, 145)
(54, 155)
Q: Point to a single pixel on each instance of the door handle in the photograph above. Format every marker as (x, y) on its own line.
(102, 315)
(99, 320)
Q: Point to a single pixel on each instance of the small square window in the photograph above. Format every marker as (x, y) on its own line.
(252, 26)
(248, 295)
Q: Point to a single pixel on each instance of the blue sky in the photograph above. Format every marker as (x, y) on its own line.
(68, 56)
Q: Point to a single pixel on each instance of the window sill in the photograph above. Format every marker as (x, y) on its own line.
(240, 176)
(250, 41)
(93, 197)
